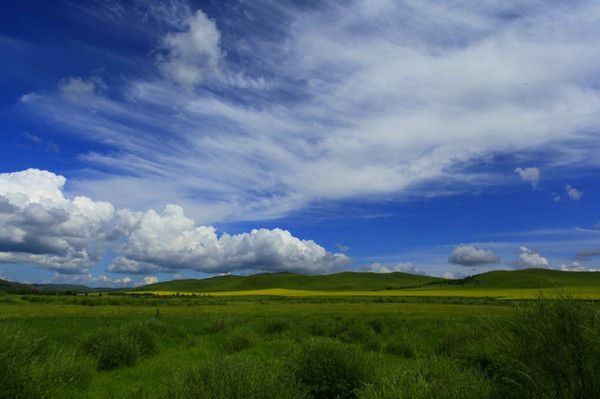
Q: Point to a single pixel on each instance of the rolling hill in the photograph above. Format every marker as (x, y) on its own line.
(16, 288)
(529, 278)
(345, 281)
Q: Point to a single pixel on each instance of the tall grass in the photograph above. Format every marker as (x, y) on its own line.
(552, 350)
(233, 378)
(330, 369)
(430, 378)
(121, 347)
(30, 369)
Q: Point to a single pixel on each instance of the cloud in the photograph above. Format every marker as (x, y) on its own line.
(407, 267)
(531, 258)
(91, 280)
(530, 175)
(342, 247)
(588, 253)
(401, 108)
(39, 225)
(149, 280)
(577, 267)
(193, 54)
(454, 275)
(171, 241)
(75, 88)
(573, 193)
(468, 255)
(40, 142)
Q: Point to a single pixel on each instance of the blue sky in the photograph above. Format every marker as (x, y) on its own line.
(143, 141)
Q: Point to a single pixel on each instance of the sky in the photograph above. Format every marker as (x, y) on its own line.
(148, 141)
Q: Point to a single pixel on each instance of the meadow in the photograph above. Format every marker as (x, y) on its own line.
(146, 344)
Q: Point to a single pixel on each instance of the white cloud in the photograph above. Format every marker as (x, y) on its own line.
(149, 280)
(171, 241)
(405, 107)
(573, 193)
(407, 267)
(577, 267)
(530, 175)
(90, 280)
(468, 255)
(531, 258)
(194, 53)
(75, 88)
(39, 225)
(454, 275)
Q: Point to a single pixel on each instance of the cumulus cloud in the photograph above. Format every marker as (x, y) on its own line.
(468, 255)
(530, 258)
(171, 241)
(573, 193)
(91, 280)
(577, 267)
(407, 267)
(454, 275)
(530, 175)
(149, 280)
(39, 225)
(194, 53)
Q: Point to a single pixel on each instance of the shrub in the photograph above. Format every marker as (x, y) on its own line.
(431, 378)
(230, 378)
(326, 328)
(111, 349)
(121, 347)
(276, 326)
(552, 349)
(237, 341)
(28, 369)
(401, 345)
(330, 369)
(377, 325)
(143, 337)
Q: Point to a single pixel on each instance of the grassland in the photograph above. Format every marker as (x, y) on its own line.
(439, 339)
(520, 284)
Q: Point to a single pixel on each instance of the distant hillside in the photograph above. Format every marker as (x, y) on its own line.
(346, 281)
(530, 278)
(61, 287)
(21, 288)
(15, 288)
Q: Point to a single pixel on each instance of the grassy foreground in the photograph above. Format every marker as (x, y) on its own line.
(113, 346)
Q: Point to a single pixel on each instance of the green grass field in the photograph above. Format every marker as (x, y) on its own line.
(475, 338)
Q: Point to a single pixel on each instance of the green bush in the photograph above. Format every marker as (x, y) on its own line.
(237, 341)
(29, 369)
(552, 350)
(121, 347)
(401, 345)
(330, 369)
(431, 378)
(230, 378)
(144, 337)
(111, 349)
(276, 326)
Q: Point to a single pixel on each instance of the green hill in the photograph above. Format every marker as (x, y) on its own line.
(16, 288)
(61, 287)
(530, 278)
(345, 281)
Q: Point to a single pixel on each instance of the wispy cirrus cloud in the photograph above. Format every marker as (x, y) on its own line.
(371, 108)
